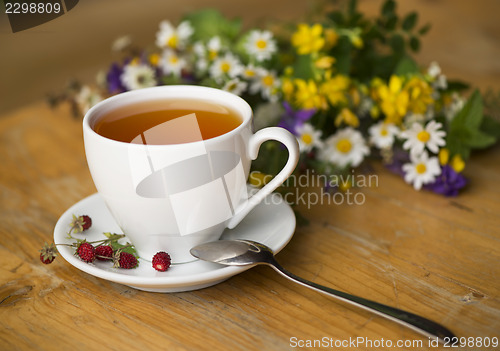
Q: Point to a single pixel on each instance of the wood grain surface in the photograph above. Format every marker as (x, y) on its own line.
(431, 255)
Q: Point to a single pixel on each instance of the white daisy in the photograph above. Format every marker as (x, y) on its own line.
(121, 43)
(213, 48)
(345, 147)
(199, 49)
(235, 86)
(382, 134)
(412, 118)
(228, 65)
(249, 72)
(418, 137)
(260, 44)
(308, 137)
(421, 170)
(201, 62)
(137, 76)
(267, 83)
(365, 106)
(267, 114)
(434, 69)
(174, 38)
(201, 65)
(457, 103)
(86, 98)
(206, 53)
(439, 80)
(171, 63)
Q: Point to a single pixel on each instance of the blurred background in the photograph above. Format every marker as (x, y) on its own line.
(464, 38)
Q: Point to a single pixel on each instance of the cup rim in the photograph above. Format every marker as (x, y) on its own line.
(244, 110)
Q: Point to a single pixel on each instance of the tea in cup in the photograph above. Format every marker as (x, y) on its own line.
(172, 163)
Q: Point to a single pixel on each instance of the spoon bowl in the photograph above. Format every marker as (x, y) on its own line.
(234, 252)
(247, 252)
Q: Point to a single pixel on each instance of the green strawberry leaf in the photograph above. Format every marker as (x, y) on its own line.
(127, 247)
(471, 115)
(406, 66)
(491, 126)
(210, 23)
(480, 140)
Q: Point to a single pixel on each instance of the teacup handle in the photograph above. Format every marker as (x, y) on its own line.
(286, 138)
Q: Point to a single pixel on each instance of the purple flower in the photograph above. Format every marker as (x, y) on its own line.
(448, 183)
(292, 119)
(115, 84)
(399, 158)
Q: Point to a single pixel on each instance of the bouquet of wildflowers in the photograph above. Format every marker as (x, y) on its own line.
(344, 85)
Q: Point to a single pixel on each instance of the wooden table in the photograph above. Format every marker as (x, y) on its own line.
(434, 256)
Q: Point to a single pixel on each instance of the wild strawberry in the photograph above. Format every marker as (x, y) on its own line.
(87, 222)
(80, 224)
(48, 253)
(161, 261)
(86, 252)
(125, 260)
(104, 252)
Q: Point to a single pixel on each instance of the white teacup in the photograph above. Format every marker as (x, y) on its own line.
(173, 197)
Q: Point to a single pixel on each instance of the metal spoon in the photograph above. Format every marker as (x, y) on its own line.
(247, 252)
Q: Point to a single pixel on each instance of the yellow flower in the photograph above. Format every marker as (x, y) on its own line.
(324, 62)
(259, 179)
(308, 96)
(347, 117)
(457, 163)
(420, 93)
(287, 88)
(374, 112)
(355, 96)
(335, 89)
(375, 84)
(331, 38)
(345, 185)
(444, 156)
(135, 61)
(447, 99)
(308, 39)
(357, 41)
(393, 100)
(154, 59)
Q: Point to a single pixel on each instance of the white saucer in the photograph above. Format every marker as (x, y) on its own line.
(272, 223)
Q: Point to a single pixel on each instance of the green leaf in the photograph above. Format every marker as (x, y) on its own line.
(455, 85)
(391, 22)
(423, 30)
(406, 66)
(124, 248)
(351, 7)
(343, 56)
(456, 142)
(491, 126)
(471, 115)
(303, 67)
(210, 22)
(457, 149)
(462, 141)
(388, 8)
(397, 43)
(414, 43)
(336, 17)
(410, 21)
(480, 140)
(465, 129)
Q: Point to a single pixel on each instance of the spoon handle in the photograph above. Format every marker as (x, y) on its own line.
(419, 324)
